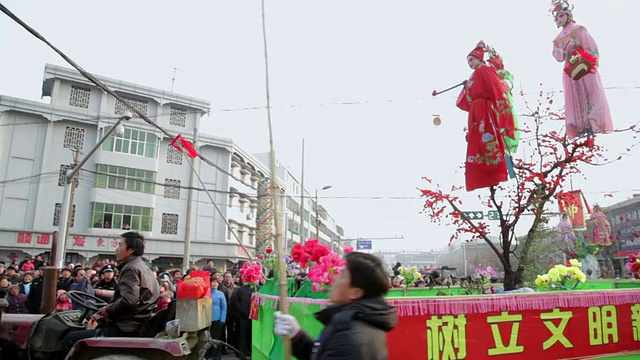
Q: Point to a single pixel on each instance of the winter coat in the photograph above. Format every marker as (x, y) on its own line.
(17, 304)
(136, 295)
(354, 331)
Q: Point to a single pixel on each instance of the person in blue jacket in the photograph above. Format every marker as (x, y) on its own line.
(218, 318)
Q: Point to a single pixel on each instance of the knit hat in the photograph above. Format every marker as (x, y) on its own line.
(60, 293)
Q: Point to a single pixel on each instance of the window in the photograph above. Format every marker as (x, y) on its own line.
(172, 188)
(126, 217)
(240, 235)
(174, 156)
(62, 177)
(134, 142)
(252, 237)
(140, 105)
(122, 178)
(56, 215)
(80, 97)
(73, 138)
(169, 224)
(178, 117)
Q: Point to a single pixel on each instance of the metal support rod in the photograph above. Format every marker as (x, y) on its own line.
(186, 261)
(49, 288)
(464, 257)
(303, 238)
(317, 218)
(66, 200)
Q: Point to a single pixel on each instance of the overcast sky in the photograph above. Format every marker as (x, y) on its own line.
(385, 57)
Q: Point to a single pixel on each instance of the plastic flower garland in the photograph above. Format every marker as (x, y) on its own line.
(251, 273)
(563, 277)
(322, 262)
(410, 275)
(633, 267)
(486, 274)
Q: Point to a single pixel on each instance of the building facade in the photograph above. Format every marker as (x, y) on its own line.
(330, 233)
(135, 181)
(624, 218)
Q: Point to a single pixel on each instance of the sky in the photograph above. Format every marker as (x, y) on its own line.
(352, 77)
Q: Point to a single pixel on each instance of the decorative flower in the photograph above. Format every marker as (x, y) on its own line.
(269, 250)
(575, 263)
(251, 273)
(347, 249)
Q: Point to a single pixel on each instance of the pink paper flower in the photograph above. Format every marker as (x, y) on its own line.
(348, 249)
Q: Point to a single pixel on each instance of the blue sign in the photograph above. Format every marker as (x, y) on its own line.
(363, 245)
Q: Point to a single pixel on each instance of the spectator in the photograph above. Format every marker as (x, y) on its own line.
(39, 262)
(65, 280)
(25, 285)
(210, 267)
(4, 285)
(63, 302)
(166, 296)
(17, 301)
(80, 283)
(218, 317)
(228, 287)
(28, 265)
(106, 286)
(241, 304)
(12, 275)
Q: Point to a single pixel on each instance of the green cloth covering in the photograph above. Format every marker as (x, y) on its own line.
(511, 145)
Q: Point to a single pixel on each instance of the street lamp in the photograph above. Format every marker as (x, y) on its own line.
(326, 187)
(69, 186)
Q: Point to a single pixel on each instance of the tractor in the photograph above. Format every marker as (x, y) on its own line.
(179, 332)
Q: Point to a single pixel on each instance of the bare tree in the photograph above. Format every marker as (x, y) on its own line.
(550, 160)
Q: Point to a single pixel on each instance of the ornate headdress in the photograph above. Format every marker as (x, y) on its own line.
(478, 51)
(560, 7)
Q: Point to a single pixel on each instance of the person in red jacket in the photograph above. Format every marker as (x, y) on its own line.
(63, 302)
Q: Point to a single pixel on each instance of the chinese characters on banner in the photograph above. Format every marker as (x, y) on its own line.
(549, 334)
(75, 242)
(572, 203)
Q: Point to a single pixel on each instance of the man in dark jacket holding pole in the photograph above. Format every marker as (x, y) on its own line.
(356, 323)
(134, 299)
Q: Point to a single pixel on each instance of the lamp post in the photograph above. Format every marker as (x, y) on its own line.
(63, 228)
(326, 187)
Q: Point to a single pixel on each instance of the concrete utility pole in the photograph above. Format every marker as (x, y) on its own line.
(74, 186)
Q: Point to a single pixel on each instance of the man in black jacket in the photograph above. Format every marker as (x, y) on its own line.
(356, 323)
(134, 299)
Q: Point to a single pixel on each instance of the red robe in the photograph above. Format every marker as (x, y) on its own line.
(484, 97)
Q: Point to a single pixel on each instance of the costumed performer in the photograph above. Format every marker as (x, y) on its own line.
(484, 98)
(586, 107)
(601, 227)
(510, 141)
(565, 231)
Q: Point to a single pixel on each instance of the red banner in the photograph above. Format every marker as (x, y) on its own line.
(558, 333)
(571, 203)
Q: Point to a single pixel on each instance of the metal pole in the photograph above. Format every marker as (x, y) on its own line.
(464, 257)
(303, 238)
(317, 219)
(66, 200)
(186, 260)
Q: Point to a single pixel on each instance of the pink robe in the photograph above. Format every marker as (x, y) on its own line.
(601, 228)
(586, 106)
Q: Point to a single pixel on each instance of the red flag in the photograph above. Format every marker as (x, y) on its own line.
(184, 146)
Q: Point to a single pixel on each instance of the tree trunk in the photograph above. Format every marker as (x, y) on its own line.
(512, 278)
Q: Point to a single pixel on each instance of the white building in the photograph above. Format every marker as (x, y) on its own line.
(135, 181)
(330, 232)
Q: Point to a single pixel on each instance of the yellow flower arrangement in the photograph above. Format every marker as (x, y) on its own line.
(563, 277)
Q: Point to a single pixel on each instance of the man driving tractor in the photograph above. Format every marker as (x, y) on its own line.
(134, 299)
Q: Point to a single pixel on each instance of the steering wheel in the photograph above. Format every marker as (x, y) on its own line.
(86, 300)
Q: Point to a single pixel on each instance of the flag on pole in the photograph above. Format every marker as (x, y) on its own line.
(184, 146)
